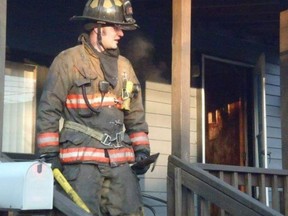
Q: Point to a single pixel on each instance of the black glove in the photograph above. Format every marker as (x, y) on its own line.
(139, 156)
(53, 159)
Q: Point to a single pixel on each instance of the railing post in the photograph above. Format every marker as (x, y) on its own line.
(275, 193)
(221, 176)
(170, 189)
(170, 197)
(285, 195)
(178, 192)
(235, 180)
(248, 184)
(190, 203)
(205, 207)
(262, 189)
(184, 201)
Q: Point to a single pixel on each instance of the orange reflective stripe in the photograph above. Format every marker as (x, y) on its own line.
(47, 139)
(121, 155)
(139, 138)
(74, 101)
(83, 154)
(71, 155)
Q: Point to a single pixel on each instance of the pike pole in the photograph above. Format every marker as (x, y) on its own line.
(69, 190)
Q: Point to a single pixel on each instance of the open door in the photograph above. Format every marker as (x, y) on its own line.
(233, 120)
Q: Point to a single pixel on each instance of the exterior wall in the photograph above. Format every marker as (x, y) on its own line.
(158, 116)
(273, 116)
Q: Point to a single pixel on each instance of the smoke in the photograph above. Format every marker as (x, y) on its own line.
(142, 54)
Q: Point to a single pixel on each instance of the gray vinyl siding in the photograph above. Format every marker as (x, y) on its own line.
(272, 89)
(158, 115)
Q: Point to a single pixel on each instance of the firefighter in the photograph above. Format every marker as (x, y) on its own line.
(95, 90)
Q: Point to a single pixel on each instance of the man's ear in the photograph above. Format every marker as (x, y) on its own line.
(95, 29)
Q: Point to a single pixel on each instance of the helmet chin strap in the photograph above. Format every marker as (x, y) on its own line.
(99, 44)
(99, 38)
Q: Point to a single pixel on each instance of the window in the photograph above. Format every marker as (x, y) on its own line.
(19, 108)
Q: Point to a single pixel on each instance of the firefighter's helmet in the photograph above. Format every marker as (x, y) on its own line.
(118, 12)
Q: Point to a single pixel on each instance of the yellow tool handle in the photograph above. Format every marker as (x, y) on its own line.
(69, 190)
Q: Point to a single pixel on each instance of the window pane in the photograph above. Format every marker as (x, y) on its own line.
(19, 108)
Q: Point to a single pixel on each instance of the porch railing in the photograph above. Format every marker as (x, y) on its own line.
(201, 189)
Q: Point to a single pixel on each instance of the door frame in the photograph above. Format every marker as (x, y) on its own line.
(260, 127)
(203, 112)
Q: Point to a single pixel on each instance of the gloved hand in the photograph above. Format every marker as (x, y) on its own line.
(53, 159)
(139, 156)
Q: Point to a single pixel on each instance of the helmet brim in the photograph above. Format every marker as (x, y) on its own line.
(124, 26)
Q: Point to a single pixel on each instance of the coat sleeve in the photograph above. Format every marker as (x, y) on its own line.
(135, 124)
(51, 106)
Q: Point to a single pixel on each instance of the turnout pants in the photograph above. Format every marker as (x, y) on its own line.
(105, 190)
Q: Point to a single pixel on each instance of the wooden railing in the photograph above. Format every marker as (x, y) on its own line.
(202, 189)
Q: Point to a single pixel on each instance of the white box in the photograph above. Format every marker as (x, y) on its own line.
(26, 185)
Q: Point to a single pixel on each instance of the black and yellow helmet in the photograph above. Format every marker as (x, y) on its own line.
(118, 12)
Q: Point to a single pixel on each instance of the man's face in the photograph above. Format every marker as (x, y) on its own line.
(111, 36)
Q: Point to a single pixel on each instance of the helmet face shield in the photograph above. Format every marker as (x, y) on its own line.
(118, 12)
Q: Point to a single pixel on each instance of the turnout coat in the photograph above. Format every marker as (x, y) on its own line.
(109, 136)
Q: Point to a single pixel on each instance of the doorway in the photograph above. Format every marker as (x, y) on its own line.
(228, 117)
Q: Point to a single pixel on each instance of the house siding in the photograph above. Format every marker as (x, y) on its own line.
(272, 88)
(158, 116)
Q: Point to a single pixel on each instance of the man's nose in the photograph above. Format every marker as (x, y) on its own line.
(120, 32)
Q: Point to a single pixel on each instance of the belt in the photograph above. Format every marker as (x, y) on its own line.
(104, 138)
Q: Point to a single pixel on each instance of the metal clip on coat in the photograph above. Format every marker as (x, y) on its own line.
(69, 190)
